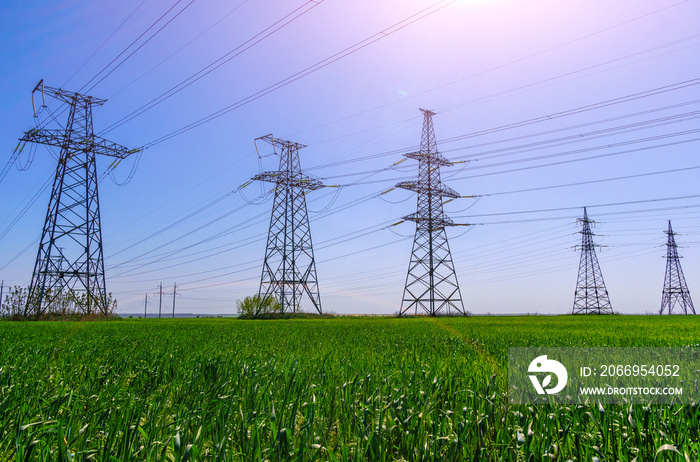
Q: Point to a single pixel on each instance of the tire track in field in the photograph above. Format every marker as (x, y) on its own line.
(475, 346)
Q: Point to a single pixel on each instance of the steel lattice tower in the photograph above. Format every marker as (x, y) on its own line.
(675, 287)
(70, 257)
(591, 296)
(431, 282)
(289, 269)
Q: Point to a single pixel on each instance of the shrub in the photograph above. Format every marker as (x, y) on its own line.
(15, 302)
(253, 306)
(55, 305)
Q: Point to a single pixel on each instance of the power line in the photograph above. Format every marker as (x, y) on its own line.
(236, 8)
(600, 180)
(182, 236)
(179, 221)
(501, 66)
(555, 142)
(240, 49)
(309, 70)
(624, 212)
(103, 43)
(132, 44)
(550, 81)
(545, 118)
(373, 172)
(374, 195)
(561, 154)
(561, 209)
(578, 137)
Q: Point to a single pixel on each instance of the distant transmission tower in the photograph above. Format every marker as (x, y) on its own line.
(431, 282)
(591, 296)
(70, 257)
(675, 288)
(289, 269)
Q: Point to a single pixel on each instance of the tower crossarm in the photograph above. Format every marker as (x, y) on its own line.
(282, 144)
(64, 140)
(436, 222)
(65, 96)
(435, 158)
(298, 181)
(69, 96)
(422, 187)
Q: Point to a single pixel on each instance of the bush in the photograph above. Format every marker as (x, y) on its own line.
(55, 305)
(252, 306)
(15, 302)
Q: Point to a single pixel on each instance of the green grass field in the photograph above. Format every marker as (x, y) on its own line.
(319, 389)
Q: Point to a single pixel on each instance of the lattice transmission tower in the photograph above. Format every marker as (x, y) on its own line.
(289, 269)
(591, 296)
(70, 257)
(675, 287)
(431, 282)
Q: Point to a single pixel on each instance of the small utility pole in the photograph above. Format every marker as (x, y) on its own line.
(145, 307)
(2, 286)
(160, 302)
(174, 293)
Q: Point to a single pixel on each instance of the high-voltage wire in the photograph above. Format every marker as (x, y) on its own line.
(368, 197)
(608, 204)
(368, 172)
(566, 153)
(578, 137)
(375, 195)
(547, 118)
(600, 180)
(104, 43)
(601, 104)
(177, 222)
(548, 143)
(236, 8)
(180, 237)
(137, 48)
(420, 94)
(624, 212)
(597, 121)
(550, 81)
(310, 69)
(19, 254)
(237, 51)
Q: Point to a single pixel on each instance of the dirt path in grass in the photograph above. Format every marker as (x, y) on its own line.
(475, 346)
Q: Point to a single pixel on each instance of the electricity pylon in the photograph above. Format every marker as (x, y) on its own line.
(70, 260)
(431, 282)
(675, 287)
(591, 296)
(289, 269)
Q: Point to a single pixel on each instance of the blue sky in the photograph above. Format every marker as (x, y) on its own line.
(551, 105)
